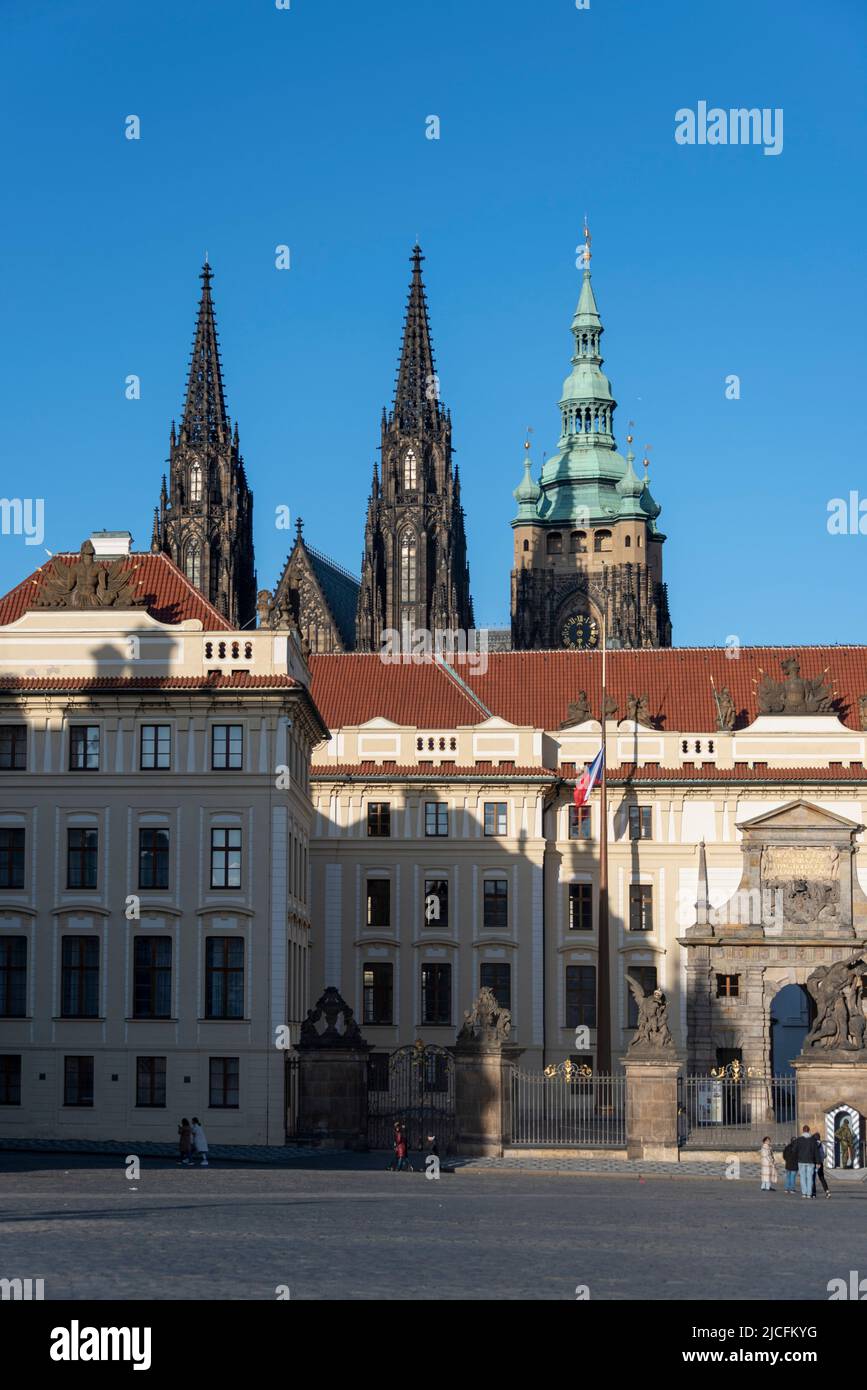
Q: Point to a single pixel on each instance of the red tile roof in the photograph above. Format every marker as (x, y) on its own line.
(235, 680)
(168, 594)
(356, 687)
(429, 772)
(760, 772)
(535, 688)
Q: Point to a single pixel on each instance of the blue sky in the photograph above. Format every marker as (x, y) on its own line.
(307, 127)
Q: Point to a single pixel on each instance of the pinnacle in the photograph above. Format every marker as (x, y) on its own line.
(204, 416)
(413, 401)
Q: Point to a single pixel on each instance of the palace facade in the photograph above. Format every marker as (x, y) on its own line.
(154, 909)
(205, 823)
(447, 854)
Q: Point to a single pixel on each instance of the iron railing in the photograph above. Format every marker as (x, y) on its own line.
(718, 1111)
(566, 1106)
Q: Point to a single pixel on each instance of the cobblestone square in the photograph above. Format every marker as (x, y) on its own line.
(340, 1227)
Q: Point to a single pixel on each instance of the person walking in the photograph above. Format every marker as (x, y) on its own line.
(806, 1152)
(820, 1166)
(185, 1142)
(791, 1163)
(769, 1166)
(401, 1163)
(200, 1142)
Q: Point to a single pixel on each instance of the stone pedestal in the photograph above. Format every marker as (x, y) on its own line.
(827, 1082)
(651, 1104)
(332, 1101)
(332, 1075)
(483, 1097)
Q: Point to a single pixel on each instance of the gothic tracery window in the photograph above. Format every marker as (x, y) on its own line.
(195, 483)
(409, 471)
(407, 568)
(193, 565)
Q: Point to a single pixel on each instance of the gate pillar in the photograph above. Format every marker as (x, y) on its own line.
(332, 1066)
(830, 1081)
(651, 1106)
(484, 1060)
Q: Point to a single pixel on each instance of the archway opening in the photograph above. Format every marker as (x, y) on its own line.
(792, 1013)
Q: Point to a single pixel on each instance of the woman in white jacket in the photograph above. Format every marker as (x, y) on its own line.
(200, 1141)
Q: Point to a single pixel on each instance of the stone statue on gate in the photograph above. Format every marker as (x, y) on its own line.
(652, 1030)
(332, 1007)
(486, 1021)
(838, 992)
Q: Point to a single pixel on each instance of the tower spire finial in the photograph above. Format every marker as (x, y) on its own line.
(416, 395)
(204, 416)
(587, 241)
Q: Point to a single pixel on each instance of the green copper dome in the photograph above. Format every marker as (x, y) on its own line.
(527, 493)
(586, 481)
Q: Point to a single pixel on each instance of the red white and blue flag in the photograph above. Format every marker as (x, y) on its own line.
(588, 779)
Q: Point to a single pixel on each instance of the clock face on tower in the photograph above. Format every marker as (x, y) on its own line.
(580, 631)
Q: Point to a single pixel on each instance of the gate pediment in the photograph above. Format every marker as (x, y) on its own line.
(798, 879)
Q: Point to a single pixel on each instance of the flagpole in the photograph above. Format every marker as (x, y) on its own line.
(603, 984)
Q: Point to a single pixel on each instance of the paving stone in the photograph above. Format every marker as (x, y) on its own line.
(337, 1226)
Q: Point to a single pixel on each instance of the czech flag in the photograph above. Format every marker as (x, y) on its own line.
(588, 779)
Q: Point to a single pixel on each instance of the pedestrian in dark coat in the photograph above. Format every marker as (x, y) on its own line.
(185, 1142)
(807, 1154)
(791, 1163)
(820, 1166)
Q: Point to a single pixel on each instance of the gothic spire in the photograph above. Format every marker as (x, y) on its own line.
(204, 418)
(206, 513)
(416, 394)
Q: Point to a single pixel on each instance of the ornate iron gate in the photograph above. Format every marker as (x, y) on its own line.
(414, 1086)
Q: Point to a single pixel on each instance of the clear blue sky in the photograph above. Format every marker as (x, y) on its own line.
(307, 127)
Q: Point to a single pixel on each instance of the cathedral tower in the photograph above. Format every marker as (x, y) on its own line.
(414, 570)
(585, 534)
(205, 517)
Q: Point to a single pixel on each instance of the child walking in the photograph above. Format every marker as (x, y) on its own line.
(769, 1166)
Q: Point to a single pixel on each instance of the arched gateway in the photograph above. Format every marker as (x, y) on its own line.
(751, 962)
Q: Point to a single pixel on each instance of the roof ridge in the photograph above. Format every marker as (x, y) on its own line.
(320, 555)
(439, 660)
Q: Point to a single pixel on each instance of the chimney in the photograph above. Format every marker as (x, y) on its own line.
(111, 545)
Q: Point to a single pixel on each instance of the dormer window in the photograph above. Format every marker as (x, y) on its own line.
(409, 471)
